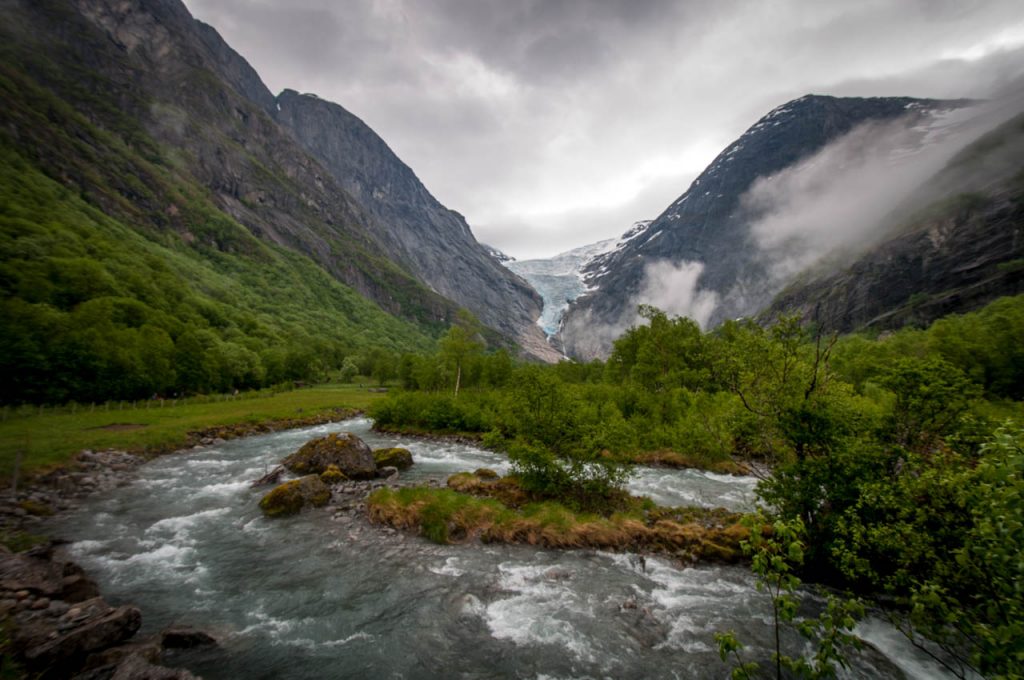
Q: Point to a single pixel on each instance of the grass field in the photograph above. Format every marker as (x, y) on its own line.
(51, 439)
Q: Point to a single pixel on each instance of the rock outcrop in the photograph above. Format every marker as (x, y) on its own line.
(344, 450)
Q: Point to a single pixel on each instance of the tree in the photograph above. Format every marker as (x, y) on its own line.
(349, 370)
(461, 342)
(931, 395)
(777, 552)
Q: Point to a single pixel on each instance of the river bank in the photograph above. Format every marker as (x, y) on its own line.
(57, 624)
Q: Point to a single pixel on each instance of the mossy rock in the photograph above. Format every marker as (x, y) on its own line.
(36, 508)
(485, 473)
(289, 498)
(344, 450)
(396, 458)
(332, 475)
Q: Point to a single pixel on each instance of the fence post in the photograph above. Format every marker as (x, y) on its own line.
(17, 469)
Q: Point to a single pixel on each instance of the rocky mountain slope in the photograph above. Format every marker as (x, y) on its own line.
(956, 253)
(431, 241)
(702, 241)
(153, 81)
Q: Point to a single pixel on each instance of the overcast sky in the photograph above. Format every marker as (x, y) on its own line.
(550, 124)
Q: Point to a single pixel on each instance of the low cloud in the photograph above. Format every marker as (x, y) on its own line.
(846, 197)
(672, 288)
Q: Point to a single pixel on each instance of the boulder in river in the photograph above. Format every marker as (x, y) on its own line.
(396, 458)
(290, 497)
(343, 449)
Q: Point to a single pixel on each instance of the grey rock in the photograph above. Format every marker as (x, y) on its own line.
(68, 651)
(343, 449)
(136, 667)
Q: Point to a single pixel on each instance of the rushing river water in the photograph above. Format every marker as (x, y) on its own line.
(319, 597)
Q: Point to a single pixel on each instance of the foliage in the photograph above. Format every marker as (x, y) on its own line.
(943, 535)
(777, 552)
(985, 345)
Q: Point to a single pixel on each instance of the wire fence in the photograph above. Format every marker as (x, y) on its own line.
(156, 402)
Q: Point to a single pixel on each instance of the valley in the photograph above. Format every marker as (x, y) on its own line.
(774, 432)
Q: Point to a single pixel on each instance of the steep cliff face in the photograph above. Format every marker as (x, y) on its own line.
(954, 255)
(159, 81)
(431, 241)
(708, 227)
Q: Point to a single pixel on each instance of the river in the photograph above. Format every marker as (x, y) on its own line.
(318, 597)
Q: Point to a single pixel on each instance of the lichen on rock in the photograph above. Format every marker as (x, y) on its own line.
(289, 498)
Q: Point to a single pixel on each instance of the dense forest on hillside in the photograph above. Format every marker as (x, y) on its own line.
(95, 310)
(897, 456)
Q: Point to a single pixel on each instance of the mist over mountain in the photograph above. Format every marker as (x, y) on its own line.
(819, 176)
(953, 244)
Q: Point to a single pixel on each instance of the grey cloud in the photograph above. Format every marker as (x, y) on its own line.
(516, 110)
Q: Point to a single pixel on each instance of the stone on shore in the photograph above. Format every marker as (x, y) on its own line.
(332, 475)
(136, 667)
(58, 656)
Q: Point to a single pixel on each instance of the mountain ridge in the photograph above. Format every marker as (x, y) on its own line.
(175, 80)
(704, 234)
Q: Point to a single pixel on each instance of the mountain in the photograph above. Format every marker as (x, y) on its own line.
(953, 254)
(431, 241)
(560, 279)
(162, 229)
(699, 257)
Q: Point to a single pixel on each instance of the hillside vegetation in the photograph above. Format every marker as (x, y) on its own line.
(121, 276)
(94, 310)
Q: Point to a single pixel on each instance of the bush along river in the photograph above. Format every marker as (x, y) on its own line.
(326, 594)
